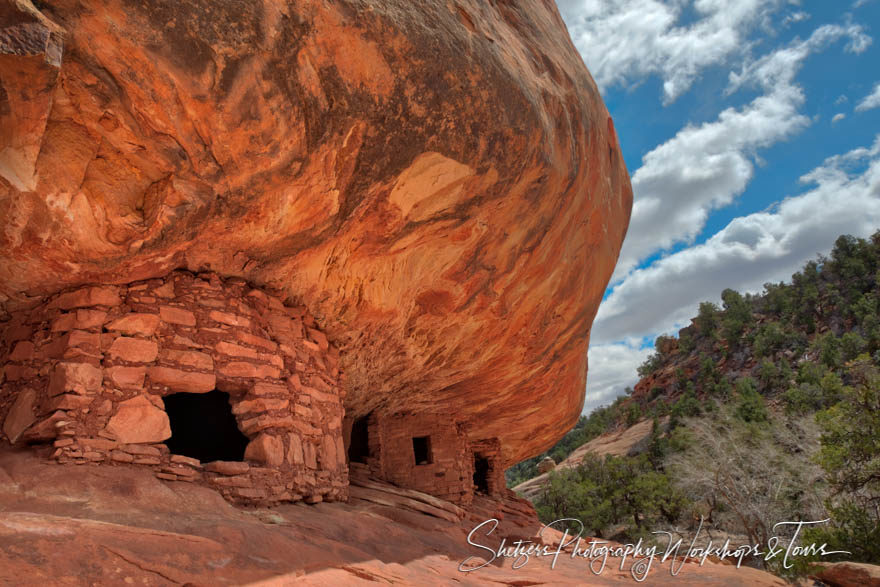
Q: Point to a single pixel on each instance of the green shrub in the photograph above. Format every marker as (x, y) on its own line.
(750, 405)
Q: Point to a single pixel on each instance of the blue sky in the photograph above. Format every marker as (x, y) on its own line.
(751, 130)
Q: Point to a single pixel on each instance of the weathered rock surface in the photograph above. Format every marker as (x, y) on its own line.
(439, 182)
(87, 525)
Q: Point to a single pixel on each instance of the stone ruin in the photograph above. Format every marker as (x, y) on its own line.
(428, 452)
(210, 368)
(218, 382)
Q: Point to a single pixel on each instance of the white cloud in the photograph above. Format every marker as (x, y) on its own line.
(749, 251)
(624, 41)
(795, 17)
(838, 117)
(842, 99)
(870, 101)
(703, 168)
(612, 368)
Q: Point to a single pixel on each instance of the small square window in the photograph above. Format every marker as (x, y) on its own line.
(422, 450)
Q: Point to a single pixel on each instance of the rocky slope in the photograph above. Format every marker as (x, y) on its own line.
(438, 182)
(122, 526)
(617, 443)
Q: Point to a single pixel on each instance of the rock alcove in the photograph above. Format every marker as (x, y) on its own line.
(200, 378)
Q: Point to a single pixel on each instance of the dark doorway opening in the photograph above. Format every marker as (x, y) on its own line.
(359, 445)
(203, 427)
(422, 450)
(481, 474)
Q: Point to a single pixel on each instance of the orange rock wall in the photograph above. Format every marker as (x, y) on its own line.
(438, 181)
(87, 369)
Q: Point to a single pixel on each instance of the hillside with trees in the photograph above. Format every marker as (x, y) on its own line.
(774, 415)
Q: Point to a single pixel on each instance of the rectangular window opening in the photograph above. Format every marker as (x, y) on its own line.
(422, 450)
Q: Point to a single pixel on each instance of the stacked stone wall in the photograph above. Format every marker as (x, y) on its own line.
(447, 475)
(490, 450)
(87, 370)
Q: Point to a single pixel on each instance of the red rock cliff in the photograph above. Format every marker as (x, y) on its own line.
(438, 181)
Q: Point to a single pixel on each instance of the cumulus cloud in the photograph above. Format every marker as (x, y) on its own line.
(624, 41)
(838, 117)
(750, 251)
(870, 101)
(612, 369)
(703, 168)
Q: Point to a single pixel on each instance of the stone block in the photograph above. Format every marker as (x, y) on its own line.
(66, 401)
(273, 360)
(23, 351)
(82, 338)
(251, 493)
(340, 452)
(303, 411)
(195, 359)
(237, 481)
(186, 461)
(174, 315)
(121, 457)
(229, 319)
(328, 453)
(97, 443)
(45, 429)
(87, 296)
(259, 405)
(261, 388)
(125, 377)
(64, 323)
(227, 467)
(134, 350)
(244, 369)
(267, 449)
(294, 450)
(81, 378)
(136, 323)
(90, 319)
(310, 455)
(139, 421)
(141, 450)
(164, 291)
(182, 381)
(252, 340)
(235, 350)
(319, 338)
(254, 425)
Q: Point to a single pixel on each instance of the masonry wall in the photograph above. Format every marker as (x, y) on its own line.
(449, 475)
(490, 450)
(87, 369)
